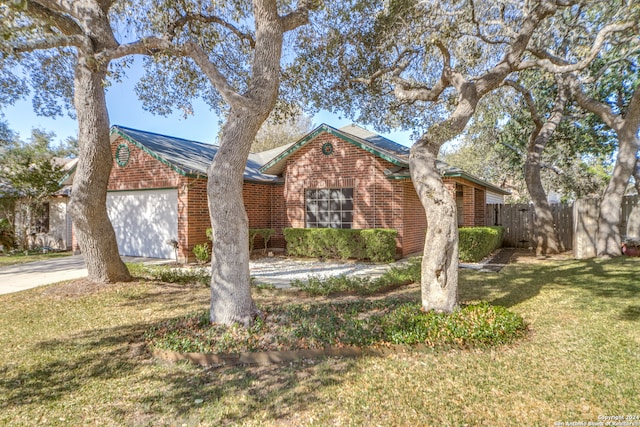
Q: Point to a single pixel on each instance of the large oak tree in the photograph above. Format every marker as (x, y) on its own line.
(604, 82)
(232, 54)
(425, 66)
(66, 48)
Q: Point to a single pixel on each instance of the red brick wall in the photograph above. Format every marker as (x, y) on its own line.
(378, 201)
(414, 220)
(193, 216)
(141, 172)
(468, 205)
(473, 201)
(278, 216)
(264, 205)
(480, 208)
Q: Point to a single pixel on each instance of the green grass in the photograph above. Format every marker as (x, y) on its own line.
(72, 355)
(21, 258)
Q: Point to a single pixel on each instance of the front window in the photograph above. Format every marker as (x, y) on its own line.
(40, 218)
(329, 208)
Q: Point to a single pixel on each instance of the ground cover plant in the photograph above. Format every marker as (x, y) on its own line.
(394, 277)
(74, 354)
(359, 323)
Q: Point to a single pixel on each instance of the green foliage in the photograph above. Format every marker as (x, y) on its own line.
(7, 238)
(277, 131)
(265, 233)
(209, 233)
(29, 168)
(378, 245)
(169, 274)
(351, 323)
(394, 277)
(476, 243)
(478, 325)
(201, 252)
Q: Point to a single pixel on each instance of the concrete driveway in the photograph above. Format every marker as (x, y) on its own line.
(19, 277)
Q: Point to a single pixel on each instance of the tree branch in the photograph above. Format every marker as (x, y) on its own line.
(632, 116)
(600, 109)
(62, 22)
(553, 64)
(300, 16)
(528, 98)
(478, 32)
(219, 81)
(50, 43)
(405, 90)
(511, 60)
(144, 46)
(396, 69)
(88, 15)
(210, 19)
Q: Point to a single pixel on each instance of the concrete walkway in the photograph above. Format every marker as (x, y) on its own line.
(277, 271)
(16, 278)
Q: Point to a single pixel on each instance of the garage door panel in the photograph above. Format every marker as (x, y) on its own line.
(144, 221)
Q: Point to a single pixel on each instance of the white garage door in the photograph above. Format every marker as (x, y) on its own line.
(144, 221)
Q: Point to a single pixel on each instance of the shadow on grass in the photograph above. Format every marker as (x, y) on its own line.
(611, 282)
(100, 357)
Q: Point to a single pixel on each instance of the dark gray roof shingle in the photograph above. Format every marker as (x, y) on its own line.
(190, 158)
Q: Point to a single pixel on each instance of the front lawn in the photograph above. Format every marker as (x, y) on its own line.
(21, 257)
(73, 354)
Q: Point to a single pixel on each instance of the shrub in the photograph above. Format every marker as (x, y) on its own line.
(378, 245)
(476, 243)
(265, 233)
(201, 252)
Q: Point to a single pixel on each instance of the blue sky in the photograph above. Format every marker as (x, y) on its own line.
(126, 110)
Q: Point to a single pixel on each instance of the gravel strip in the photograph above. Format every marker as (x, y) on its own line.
(280, 271)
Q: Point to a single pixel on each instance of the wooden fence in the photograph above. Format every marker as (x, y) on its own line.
(576, 224)
(586, 213)
(518, 223)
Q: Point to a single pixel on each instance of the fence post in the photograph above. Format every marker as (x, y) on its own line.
(585, 223)
(631, 215)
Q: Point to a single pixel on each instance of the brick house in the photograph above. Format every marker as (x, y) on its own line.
(341, 178)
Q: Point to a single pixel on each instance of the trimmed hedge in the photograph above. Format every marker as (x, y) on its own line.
(265, 233)
(476, 243)
(375, 244)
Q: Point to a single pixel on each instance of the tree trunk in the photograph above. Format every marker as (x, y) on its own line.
(609, 240)
(231, 300)
(546, 237)
(93, 228)
(547, 241)
(636, 175)
(439, 279)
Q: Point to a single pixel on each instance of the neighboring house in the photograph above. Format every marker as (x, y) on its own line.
(341, 178)
(50, 226)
